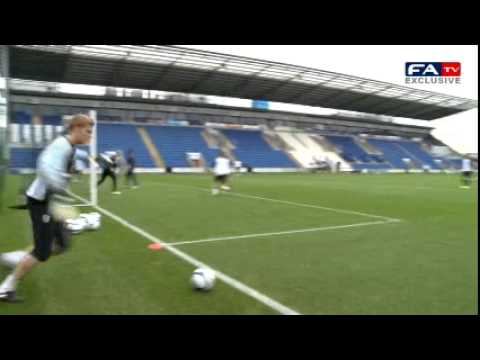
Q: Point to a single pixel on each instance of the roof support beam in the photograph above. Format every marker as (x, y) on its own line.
(157, 80)
(367, 96)
(246, 82)
(403, 105)
(424, 111)
(316, 87)
(68, 65)
(118, 69)
(341, 91)
(207, 76)
(276, 88)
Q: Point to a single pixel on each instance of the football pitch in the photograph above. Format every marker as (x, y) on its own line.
(320, 244)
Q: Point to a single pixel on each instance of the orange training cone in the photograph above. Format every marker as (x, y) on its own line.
(155, 247)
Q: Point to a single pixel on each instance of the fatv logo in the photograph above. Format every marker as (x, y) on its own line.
(433, 72)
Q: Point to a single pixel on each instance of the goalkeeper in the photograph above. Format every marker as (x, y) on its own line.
(43, 196)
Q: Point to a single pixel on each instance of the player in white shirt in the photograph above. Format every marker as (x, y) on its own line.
(222, 170)
(466, 173)
(238, 166)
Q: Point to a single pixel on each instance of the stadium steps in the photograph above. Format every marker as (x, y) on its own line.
(330, 151)
(174, 142)
(417, 163)
(369, 149)
(423, 156)
(391, 153)
(252, 150)
(210, 139)
(275, 141)
(37, 120)
(152, 149)
(221, 142)
(297, 150)
(301, 139)
(318, 152)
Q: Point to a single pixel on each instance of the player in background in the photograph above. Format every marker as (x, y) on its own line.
(44, 196)
(109, 165)
(238, 166)
(466, 178)
(130, 174)
(222, 170)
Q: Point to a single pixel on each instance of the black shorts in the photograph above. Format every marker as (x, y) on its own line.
(47, 233)
(221, 178)
(467, 173)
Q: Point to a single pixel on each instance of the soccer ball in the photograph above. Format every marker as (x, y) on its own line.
(93, 220)
(76, 226)
(89, 221)
(203, 279)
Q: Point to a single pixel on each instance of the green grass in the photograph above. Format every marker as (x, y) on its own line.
(425, 264)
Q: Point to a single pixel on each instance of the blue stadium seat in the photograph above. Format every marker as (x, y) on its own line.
(24, 158)
(358, 158)
(123, 137)
(21, 117)
(391, 152)
(416, 150)
(252, 150)
(55, 120)
(174, 142)
(455, 163)
(350, 150)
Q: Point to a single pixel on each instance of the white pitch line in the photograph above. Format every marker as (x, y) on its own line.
(294, 203)
(273, 304)
(316, 207)
(282, 232)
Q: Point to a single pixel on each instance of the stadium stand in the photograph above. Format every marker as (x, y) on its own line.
(359, 159)
(112, 137)
(391, 152)
(300, 152)
(251, 147)
(21, 117)
(415, 149)
(174, 142)
(55, 120)
(350, 150)
(253, 151)
(24, 158)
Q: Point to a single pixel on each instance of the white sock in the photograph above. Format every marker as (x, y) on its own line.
(9, 284)
(11, 259)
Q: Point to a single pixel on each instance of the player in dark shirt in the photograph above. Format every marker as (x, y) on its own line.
(131, 178)
(109, 167)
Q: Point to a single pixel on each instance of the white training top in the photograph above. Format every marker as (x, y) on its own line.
(222, 166)
(238, 164)
(52, 169)
(466, 165)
